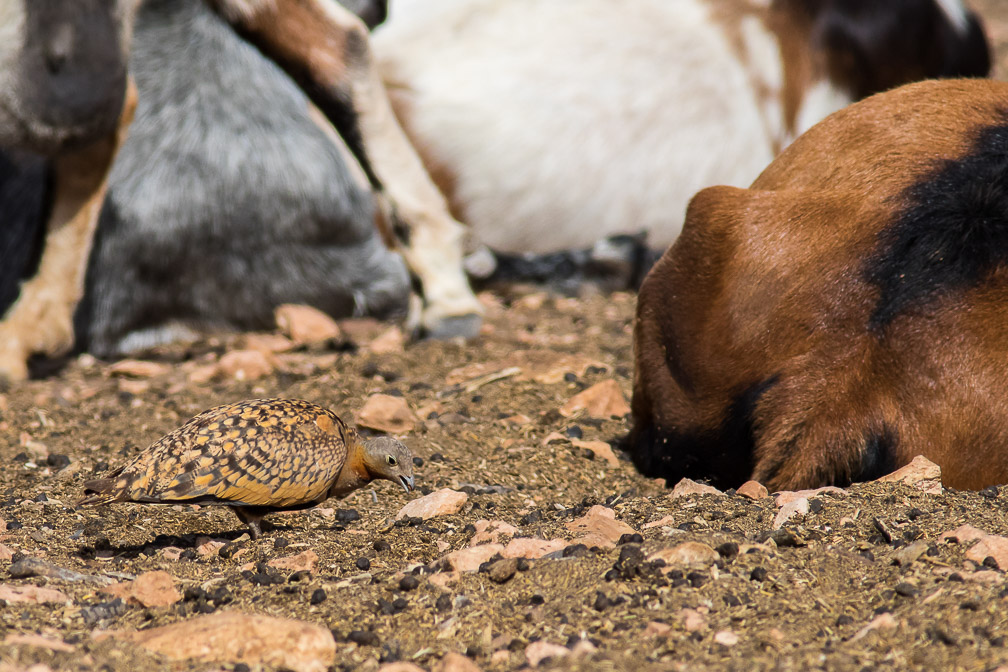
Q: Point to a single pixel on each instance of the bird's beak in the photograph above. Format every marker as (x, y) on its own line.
(407, 483)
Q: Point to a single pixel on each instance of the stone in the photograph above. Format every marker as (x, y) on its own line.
(537, 652)
(5, 552)
(753, 490)
(786, 496)
(400, 666)
(909, 554)
(444, 502)
(150, 589)
(271, 343)
(304, 324)
(490, 531)
(884, 621)
(656, 629)
(726, 638)
(600, 449)
(386, 413)
(136, 368)
(470, 559)
(794, 507)
(502, 570)
(689, 554)
(525, 547)
(302, 562)
(603, 400)
(230, 637)
(32, 594)
(599, 527)
(390, 341)
(246, 364)
(692, 620)
(686, 487)
(455, 662)
(38, 641)
(921, 473)
(208, 547)
(990, 545)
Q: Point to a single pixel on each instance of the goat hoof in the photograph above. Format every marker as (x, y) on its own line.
(454, 326)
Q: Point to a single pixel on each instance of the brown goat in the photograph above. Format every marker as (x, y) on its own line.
(844, 313)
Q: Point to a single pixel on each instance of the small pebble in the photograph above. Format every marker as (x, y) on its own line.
(363, 564)
(417, 461)
(408, 582)
(347, 515)
(363, 638)
(758, 574)
(629, 538)
(443, 602)
(318, 596)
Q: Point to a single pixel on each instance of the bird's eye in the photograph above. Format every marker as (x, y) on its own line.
(391, 460)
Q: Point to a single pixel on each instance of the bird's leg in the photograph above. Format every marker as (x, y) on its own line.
(252, 518)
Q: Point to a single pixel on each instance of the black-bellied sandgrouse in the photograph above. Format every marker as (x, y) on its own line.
(255, 456)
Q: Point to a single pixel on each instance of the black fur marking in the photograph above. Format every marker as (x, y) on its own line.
(723, 456)
(872, 46)
(952, 234)
(878, 458)
(25, 195)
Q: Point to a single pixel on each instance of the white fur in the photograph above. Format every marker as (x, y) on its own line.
(821, 100)
(956, 13)
(566, 121)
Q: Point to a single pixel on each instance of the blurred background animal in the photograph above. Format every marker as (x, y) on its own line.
(63, 113)
(845, 313)
(264, 167)
(552, 126)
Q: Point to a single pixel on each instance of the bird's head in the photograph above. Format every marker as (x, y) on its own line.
(388, 458)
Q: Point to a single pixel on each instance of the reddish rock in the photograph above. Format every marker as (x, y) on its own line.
(692, 620)
(964, 534)
(208, 547)
(599, 527)
(34, 594)
(230, 637)
(271, 343)
(686, 487)
(455, 662)
(656, 629)
(600, 449)
(39, 641)
(5, 552)
(488, 531)
(386, 413)
(603, 400)
(444, 502)
(921, 473)
(391, 341)
(304, 324)
(302, 562)
(691, 554)
(785, 496)
(792, 508)
(524, 547)
(150, 589)
(753, 490)
(661, 522)
(400, 666)
(469, 559)
(884, 621)
(536, 652)
(726, 638)
(136, 368)
(990, 545)
(246, 364)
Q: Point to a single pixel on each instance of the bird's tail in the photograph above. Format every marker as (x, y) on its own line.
(98, 491)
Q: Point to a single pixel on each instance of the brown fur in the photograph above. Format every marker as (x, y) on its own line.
(766, 286)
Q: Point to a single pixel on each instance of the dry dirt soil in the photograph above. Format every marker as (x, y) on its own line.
(836, 588)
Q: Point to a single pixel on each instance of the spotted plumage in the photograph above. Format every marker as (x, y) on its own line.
(255, 456)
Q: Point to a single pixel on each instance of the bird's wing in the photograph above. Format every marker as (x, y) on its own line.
(264, 463)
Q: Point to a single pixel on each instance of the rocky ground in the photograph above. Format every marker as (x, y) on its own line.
(537, 545)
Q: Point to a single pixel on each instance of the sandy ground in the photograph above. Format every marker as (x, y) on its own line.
(859, 579)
